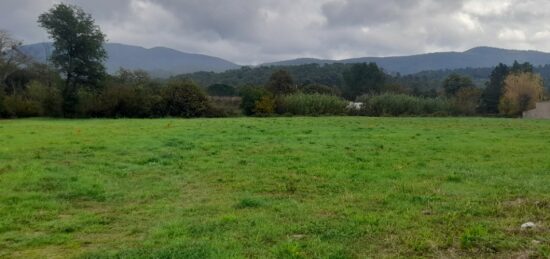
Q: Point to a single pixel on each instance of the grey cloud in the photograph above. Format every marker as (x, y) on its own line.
(266, 30)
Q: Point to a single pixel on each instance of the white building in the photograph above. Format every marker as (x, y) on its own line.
(542, 111)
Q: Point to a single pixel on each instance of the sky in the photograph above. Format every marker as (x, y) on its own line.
(251, 32)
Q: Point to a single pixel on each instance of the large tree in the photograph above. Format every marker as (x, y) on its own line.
(521, 92)
(78, 49)
(492, 95)
(363, 79)
(490, 98)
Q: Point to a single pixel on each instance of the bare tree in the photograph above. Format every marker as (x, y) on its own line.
(11, 58)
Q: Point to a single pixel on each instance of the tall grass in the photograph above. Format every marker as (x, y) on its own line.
(402, 105)
(311, 104)
(225, 106)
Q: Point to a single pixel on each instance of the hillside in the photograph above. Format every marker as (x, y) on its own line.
(159, 61)
(331, 74)
(474, 58)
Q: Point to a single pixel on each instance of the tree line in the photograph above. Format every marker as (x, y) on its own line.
(74, 84)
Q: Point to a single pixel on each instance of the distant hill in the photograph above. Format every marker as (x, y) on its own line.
(473, 58)
(159, 61)
(165, 62)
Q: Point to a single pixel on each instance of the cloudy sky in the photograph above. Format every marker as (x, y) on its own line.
(256, 31)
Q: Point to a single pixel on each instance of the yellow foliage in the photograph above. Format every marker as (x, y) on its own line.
(265, 106)
(521, 93)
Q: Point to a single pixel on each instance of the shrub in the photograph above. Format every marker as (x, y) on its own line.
(35, 100)
(402, 104)
(250, 95)
(49, 98)
(312, 104)
(2, 107)
(466, 101)
(264, 106)
(89, 104)
(21, 106)
(184, 99)
(121, 100)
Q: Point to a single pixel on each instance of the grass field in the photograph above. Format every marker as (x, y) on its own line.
(336, 187)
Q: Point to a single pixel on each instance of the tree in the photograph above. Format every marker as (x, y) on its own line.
(521, 92)
(466, 100)
(281, 83)
(184, 99)
(454, 82)
(221, 90)
(249, 96)
(490, 98)
(521, 68)
(10, 57)
(132, 77)
(78, 49)
(315, 88)
(363, 78)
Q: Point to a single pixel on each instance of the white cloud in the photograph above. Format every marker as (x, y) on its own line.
(487, 7)
(512, 35)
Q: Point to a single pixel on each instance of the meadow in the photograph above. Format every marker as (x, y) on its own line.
(325, 187)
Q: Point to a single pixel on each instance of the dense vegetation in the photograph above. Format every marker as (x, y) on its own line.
(340, 187)
(332, 74)
(75, 84)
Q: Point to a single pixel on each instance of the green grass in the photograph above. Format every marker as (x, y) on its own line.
(338, 187)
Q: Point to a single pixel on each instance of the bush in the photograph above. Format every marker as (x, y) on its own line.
(312, 104)
(21, 106)
(466, 101)
(49, 99)
(121, 100)
(402, 104)
(250, 95)
(89, 104)
(35, 100)
(184, 99)
(2, 107)
(264, 106)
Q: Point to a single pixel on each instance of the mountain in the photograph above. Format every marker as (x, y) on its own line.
(159, 61)
(474, 58)
(165, 62)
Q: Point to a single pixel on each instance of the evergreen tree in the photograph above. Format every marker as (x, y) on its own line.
(363, 78)
(494, 87)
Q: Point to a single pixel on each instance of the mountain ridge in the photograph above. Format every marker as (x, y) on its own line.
(165, 62)
(159, 61)
(477, 57)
